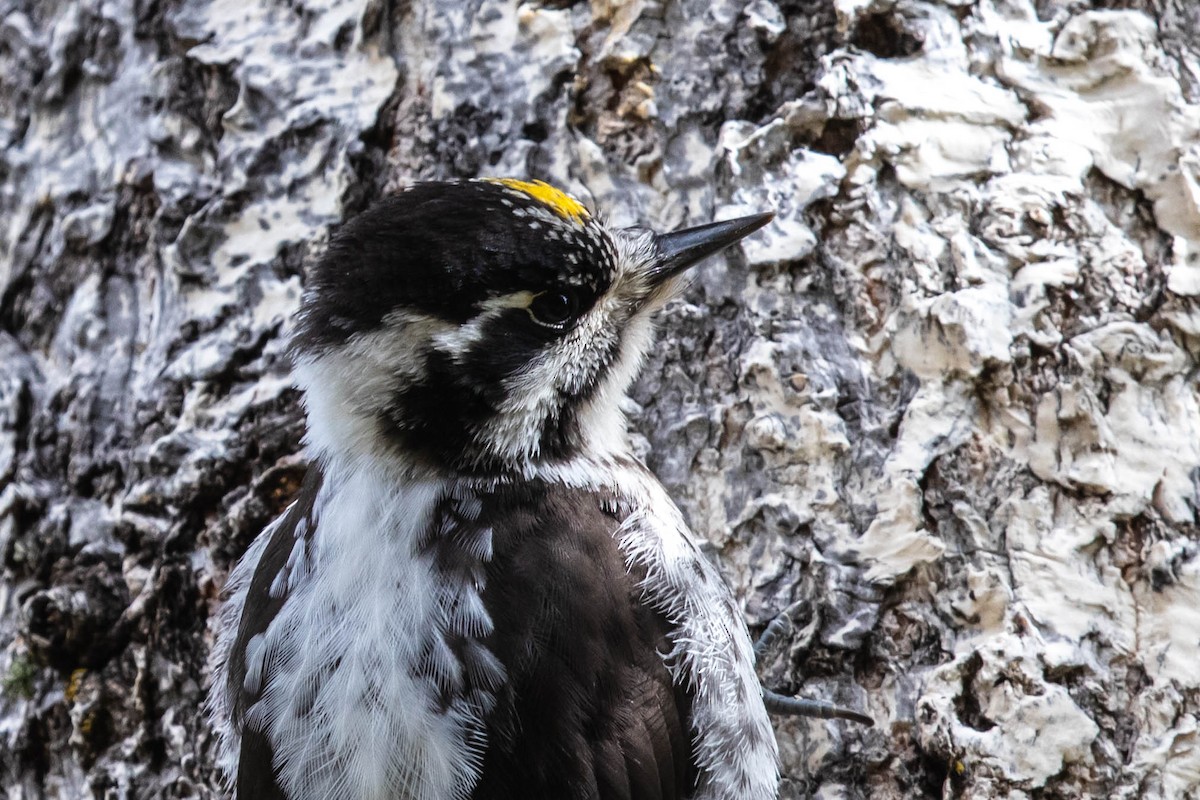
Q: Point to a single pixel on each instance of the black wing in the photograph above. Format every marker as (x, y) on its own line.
(589, 710)
(256, 778)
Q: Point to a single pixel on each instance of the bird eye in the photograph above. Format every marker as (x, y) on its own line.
(555, 308)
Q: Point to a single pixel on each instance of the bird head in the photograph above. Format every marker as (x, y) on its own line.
(484, 326)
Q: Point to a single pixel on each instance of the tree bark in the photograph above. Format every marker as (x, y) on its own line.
(946, 407)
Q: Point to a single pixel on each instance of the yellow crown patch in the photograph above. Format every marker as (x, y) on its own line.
(554, 199)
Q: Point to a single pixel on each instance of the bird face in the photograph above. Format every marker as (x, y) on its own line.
(484, 326)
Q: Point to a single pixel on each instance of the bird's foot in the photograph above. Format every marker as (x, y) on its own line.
(781, 704)
(799, 707)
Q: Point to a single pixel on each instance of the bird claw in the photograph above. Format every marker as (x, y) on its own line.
(795, 706)
(775, 630)
(817, 709)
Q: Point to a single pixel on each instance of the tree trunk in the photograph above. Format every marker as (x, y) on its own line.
(946, 406)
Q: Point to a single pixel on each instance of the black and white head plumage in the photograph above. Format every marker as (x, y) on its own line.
(478, 326)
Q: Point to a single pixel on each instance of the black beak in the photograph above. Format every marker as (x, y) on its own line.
(679, 250)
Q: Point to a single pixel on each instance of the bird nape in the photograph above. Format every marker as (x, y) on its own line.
(479, 592)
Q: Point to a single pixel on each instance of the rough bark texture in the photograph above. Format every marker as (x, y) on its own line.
(948, 403)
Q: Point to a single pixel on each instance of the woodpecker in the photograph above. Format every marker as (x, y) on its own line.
(479, 592)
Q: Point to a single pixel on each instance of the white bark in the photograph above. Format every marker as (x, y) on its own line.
(949, 399)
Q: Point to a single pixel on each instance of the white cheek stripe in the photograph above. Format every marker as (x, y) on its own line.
(348, 389)
(458, 340)
(534, 394)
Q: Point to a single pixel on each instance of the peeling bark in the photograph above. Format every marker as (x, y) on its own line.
(947, 402)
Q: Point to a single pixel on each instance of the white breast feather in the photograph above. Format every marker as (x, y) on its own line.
(348, 642)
